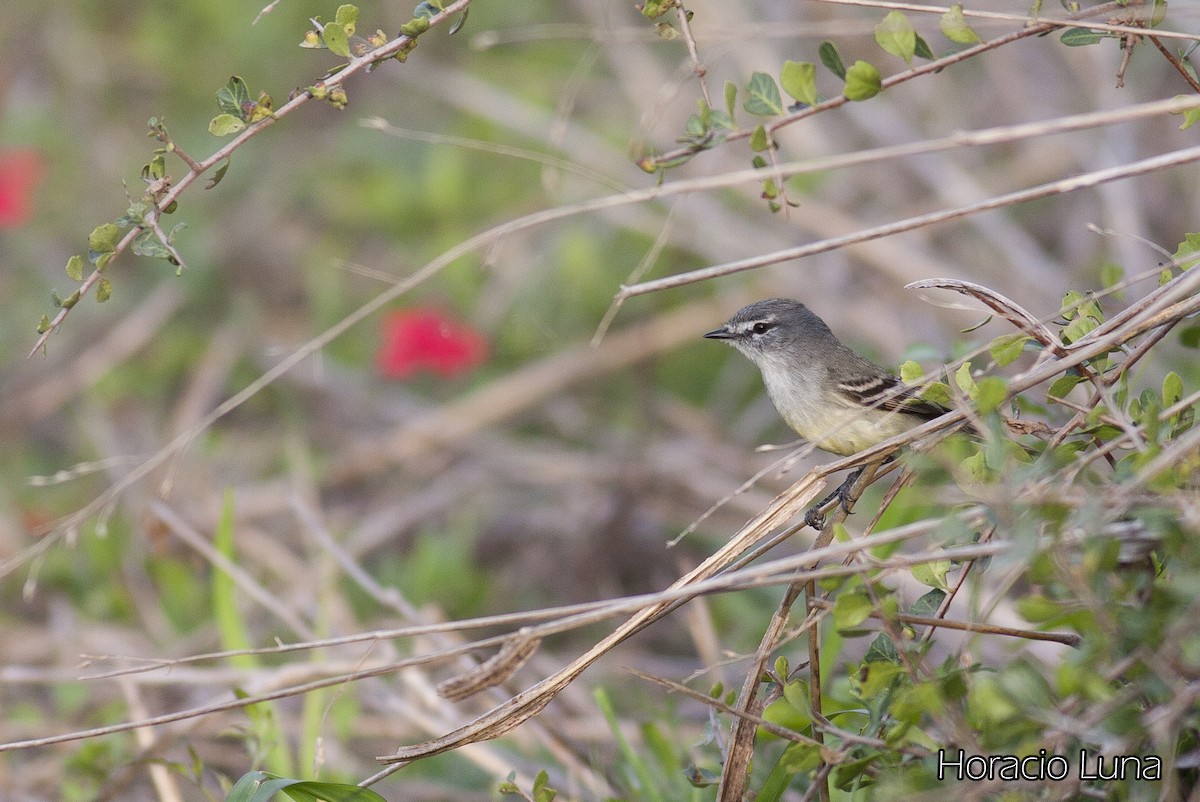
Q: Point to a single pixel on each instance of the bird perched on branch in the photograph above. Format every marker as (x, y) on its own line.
(831, 396)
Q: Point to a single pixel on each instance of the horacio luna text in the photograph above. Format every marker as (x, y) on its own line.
(1042, 766)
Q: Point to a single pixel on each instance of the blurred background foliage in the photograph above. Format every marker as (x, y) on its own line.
(561, 498)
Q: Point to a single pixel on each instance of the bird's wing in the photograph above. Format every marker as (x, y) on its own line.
(884, 391)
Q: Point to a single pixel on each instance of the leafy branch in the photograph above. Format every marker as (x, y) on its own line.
(711, 127)
(245, 119)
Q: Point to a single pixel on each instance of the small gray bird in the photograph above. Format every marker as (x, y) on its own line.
(831, 396)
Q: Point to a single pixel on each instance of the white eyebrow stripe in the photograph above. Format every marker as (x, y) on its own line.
(748, 325)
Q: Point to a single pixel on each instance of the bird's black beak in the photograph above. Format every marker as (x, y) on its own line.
(719, 334)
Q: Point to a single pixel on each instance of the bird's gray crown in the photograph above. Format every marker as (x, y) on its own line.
(773, 321)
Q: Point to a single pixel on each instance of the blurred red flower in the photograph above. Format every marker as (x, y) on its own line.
(20, 171)
(424, 339)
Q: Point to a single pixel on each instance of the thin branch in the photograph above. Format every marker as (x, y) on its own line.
(702, 580)
(698, 68)
(1033, 28)
(1010, 310)
(1175, 62)
(938, 622)
(1076, 20)
(1062, 186)
(196, 169)
(721, 707)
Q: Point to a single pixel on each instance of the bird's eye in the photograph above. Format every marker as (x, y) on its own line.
(761, 328)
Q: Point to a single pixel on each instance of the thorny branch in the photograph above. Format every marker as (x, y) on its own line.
(196, 169)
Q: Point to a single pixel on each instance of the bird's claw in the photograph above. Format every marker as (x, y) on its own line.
(815, 518)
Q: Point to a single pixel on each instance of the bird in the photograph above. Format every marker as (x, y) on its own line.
(830, 395)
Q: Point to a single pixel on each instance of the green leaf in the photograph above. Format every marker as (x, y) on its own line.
(230, 623)
(336, 39)
(260, 109)
(653, 9)
(721, 123)
(856, 772)
(103, 290)
(134, 215)
(1007, 347)
(923, 49)
(992, 392)
(928, 604)
(1158, 12)
(798, 79)
(148, 244)
(218, 174)
(104, 238)
(541, 790)
(828, 53)
(955, 28)
(1183, 255)
(911, 372)
(882, 649)
(976, 467)
(786, 714)
(758, 140)
(75, 267)
(797, 694)
(347, 17)
(415, 26)
(1111, 275)
(1190, 337)
(1080, 37)
(699, 777)
(1078, 328)
(764, 99)
(431, 8)
(932, 574)
(225, 124)
(850, 610)
(1190, 116)
(1083, 313)
(965, 381)
(782, 667)
(895, 35)
(261, 786)
(862, 81)
(43, 325)
(731, 98)
(875, 677)
(1038, 609)
(1172, 389)
(937, 392)
(155, 169)
(233, 97)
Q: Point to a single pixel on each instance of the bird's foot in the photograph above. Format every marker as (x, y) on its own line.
(815, 518)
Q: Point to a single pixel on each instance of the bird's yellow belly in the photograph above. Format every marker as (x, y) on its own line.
(849, 433)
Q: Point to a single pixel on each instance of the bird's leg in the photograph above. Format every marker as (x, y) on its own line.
(815, 518)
